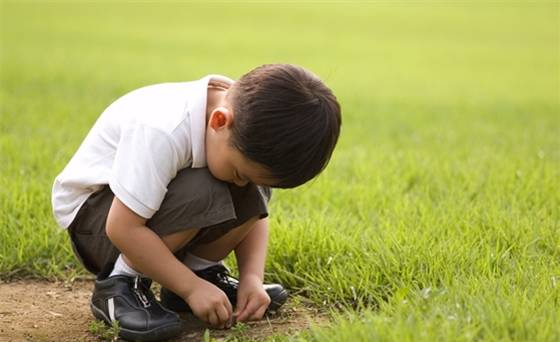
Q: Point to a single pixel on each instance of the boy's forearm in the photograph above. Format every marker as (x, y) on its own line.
(150, 255)
(251, 251)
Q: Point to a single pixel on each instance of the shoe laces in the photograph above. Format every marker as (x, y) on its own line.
(139, 290)
(221, 274)
(226, 277)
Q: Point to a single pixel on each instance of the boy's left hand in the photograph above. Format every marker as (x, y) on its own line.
(252, 299)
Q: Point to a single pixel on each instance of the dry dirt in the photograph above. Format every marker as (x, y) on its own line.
(40, 311)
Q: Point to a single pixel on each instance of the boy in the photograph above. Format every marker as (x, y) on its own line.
(173, 177)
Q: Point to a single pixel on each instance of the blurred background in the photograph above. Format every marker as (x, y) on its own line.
(445, 177)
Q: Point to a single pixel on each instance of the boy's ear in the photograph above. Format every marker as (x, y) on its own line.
(221, 117)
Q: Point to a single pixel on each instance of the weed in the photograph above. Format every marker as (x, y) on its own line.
(445, 176)
(240, 328)
(103, 332)
(207, 338)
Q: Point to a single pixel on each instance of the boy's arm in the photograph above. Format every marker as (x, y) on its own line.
(252, 299)
(251, 251)
(145, 249)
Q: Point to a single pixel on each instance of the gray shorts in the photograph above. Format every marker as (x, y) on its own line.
(195, 199)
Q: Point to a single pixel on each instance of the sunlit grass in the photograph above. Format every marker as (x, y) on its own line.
(437, 218)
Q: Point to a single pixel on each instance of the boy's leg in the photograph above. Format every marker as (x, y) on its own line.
(215, 251)
(194, 199)
(174, 242)
(178, 240)
(219, 249)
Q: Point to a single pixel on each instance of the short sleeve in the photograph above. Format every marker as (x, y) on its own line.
(145, 162)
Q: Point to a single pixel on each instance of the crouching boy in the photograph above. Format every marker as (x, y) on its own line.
(173, 177)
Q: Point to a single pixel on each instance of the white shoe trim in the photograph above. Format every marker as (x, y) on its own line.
(111, 308)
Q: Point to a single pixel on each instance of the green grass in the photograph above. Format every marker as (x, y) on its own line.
(438, 218)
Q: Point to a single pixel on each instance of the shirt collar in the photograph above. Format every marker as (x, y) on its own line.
(197, 110)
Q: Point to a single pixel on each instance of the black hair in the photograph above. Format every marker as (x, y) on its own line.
(287, 120)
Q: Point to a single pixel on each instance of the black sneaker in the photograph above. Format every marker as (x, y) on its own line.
(130, 301)
(219, 276)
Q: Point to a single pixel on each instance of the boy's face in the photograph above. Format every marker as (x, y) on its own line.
(225, 162)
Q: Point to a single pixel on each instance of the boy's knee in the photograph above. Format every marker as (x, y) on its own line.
(196, 187)
(194, 199)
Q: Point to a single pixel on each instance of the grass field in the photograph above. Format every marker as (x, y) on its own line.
(438, 218)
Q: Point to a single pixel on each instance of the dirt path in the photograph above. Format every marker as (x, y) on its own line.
(40, 311)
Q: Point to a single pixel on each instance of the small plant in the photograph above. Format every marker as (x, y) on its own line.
(240, 328)
(103, 332)
(238, 333)
(206, 337)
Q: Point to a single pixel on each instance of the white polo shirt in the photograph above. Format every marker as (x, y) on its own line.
(137, 146)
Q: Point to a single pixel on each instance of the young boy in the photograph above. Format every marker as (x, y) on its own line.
(173, 177)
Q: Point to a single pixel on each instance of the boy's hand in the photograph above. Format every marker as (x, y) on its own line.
(252, 299)
(210, 304)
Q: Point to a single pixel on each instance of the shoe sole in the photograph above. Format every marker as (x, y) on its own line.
(156, 334)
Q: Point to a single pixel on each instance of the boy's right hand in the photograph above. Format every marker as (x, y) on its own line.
(210, 304)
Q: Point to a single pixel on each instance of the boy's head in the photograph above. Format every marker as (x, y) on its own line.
(284, 122)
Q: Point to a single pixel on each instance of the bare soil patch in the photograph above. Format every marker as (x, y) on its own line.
(40, 311)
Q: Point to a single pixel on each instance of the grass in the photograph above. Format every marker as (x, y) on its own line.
(103, 332)
(437, 219)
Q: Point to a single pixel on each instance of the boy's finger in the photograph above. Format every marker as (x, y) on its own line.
(240, 306)
(242, 316)
(213, 319)
(252, 306)
(259, 313)
(223, 315)
(227, 305)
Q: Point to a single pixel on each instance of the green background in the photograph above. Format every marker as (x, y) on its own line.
(438, 216)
